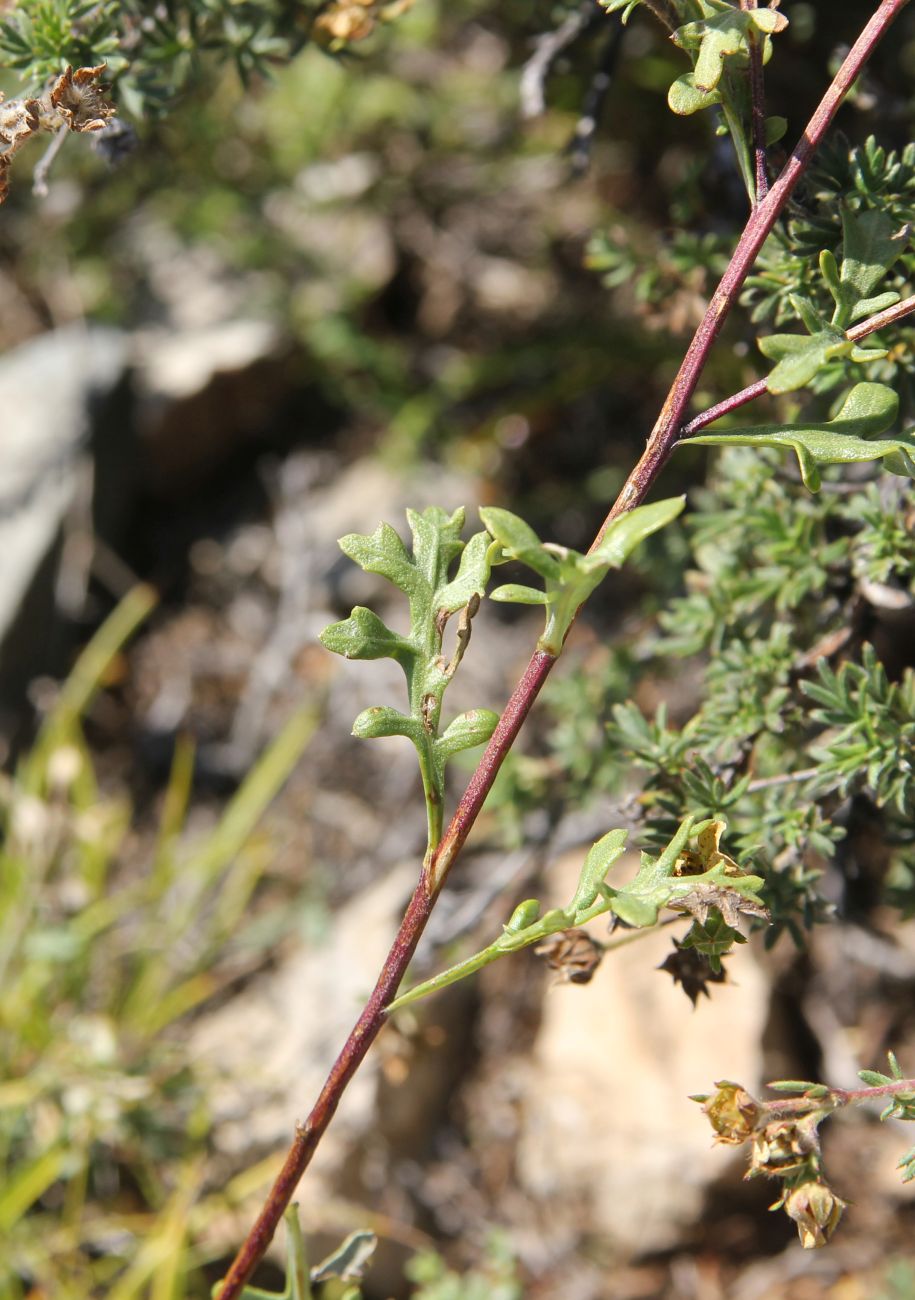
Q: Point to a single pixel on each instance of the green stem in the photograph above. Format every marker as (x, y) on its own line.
(741, 148)
(469, 966)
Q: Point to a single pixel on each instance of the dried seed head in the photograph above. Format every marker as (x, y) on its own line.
(573, 953)
(76, 100)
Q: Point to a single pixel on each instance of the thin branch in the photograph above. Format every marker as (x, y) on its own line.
(833, 1098)
(890, 316)
(547, 49)
(43, 167)
(579, 147)
(732, 403)
(783, 778)
(662, 12)
(666, 432)
(757, 109)
(883, 318)
(636, 488)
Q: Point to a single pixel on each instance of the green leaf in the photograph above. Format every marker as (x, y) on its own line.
(722, 33)
(349, 1261)
(364, 636)
(873, 1078)
(801, 357)
(792, 1085)
(684, 97)
(775, 128)
(868, 410)
(467, 730)
(614, 6)
(768, 21)
(872, 241)
(524, 915)
(626, 532)
(514, 594)
(569, 576)
(639, 903)
(519, 541)
(601, 857)
(383, 552)
(471, 577)
(383, 721)
(871, 306)
(714, 39)
(436, 541)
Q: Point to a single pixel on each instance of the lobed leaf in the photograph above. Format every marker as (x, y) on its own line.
(436, 541)
(569, 576)
(383, 552)
(685, 98)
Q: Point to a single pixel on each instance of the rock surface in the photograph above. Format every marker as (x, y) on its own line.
(51, 387)
(606, 1115)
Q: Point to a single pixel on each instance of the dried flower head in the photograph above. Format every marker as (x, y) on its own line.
(76, 100)
(73, 101)
(816, 1210)
(785, 1145)
(573, 953)
(692, 970)
(732, 1113)
(706, 855)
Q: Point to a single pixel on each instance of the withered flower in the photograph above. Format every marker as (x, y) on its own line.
(692, 970)
(729, 902)
(573, 953)
(785, 1145)
(816, 1210)
(732, 1113)
(695, 862)
(76, 100)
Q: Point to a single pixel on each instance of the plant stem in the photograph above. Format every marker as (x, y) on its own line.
(659, 9)
(373, 1015)
(783, 778)
(666, 432)
(860, 331)
(883, 318)
(660, 445)
(757, 110)
(835, 1098)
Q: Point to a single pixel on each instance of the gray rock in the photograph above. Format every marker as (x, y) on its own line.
(52, 388)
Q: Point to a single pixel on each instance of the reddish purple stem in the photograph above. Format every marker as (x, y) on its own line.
(889, 316)
(664, 436)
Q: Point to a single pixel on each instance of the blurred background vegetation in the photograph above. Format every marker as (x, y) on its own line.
(353, 280)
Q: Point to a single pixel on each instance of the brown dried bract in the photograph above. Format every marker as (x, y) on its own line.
(573, 954)
(691, 970)
(729, 902)
(75, 101)
(18, 120)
